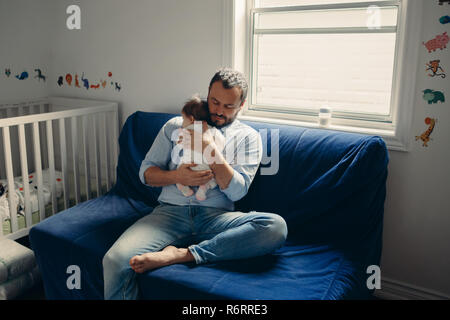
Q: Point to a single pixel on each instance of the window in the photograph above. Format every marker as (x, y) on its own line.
(300, 55)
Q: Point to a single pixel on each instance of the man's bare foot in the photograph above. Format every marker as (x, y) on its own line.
(152, 260)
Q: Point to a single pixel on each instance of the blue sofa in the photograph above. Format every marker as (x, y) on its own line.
(330, 188)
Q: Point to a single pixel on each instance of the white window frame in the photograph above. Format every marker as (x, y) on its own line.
(237, 45)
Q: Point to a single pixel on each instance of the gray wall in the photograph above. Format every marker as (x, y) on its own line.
(161, 52)
(25, 45)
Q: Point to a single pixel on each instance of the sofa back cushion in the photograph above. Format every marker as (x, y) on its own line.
(136, 138)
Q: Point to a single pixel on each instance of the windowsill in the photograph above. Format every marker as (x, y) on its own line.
(389, 136)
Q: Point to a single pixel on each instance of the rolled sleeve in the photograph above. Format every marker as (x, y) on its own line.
(245, 166)
(236, 188)
(142, 171)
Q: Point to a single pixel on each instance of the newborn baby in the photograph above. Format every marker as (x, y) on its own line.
(194, 111)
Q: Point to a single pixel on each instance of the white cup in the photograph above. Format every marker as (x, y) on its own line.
(324, 116)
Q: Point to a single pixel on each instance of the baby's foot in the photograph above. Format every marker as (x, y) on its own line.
(185, 190)
(200, 195)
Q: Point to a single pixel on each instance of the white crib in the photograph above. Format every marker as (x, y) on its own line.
(69, 144)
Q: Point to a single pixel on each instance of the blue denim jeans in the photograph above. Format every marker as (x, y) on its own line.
(210, 234)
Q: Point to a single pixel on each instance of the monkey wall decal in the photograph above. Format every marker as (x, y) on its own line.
(434, 66)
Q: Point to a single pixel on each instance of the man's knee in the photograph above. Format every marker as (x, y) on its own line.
(278, 230)
(115, 258)
(273, 229)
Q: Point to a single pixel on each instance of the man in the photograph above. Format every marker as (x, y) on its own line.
(182, 229)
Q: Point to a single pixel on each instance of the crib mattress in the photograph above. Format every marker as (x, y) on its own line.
(35, 216)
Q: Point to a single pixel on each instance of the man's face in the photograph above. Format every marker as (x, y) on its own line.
(224, 104)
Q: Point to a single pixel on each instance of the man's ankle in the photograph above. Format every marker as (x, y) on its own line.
(185, 255)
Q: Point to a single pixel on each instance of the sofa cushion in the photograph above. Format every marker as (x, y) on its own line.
(136, 138)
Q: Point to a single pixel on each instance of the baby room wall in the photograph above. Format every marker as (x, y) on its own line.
(146, 55)
(25, 47)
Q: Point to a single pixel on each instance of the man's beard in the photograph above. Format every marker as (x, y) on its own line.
(226, 122)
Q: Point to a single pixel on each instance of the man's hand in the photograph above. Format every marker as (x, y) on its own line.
(222, 171)
(188, 177)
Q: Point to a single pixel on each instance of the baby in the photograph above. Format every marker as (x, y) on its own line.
(197, 110)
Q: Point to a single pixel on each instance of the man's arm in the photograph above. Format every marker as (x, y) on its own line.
(154, 170)
(223, 172)
(234, 179)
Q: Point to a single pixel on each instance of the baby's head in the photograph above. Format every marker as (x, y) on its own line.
(194, 110)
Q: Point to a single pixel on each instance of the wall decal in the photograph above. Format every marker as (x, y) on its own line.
(433, 96)
(8, 72)
(444, 19)
(39, 75)
(85, 81)
(87, 84)
(117, 86)
(77, 83)
(425, 136)
(434, 66)
(69, 79)
(439, 42)
(22, 76)
(441, 2)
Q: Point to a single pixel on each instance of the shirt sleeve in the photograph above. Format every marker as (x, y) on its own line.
(159, 154)
(245, 165)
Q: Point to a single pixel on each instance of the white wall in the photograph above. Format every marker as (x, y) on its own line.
(416, 241)
(24, 46)
(161, 52)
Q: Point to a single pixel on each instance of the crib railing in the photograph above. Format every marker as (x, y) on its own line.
(92, 140)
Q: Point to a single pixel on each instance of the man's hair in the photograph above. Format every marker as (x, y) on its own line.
(231, 78)
(197, 108)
